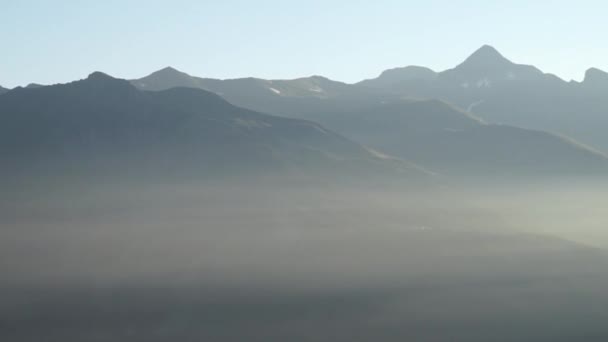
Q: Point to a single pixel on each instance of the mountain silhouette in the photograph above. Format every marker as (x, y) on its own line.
(487, 66)
(453, 142)
(596, 79)
(106, 122)
(34, 85)
(314, 86)
(439, 136)
(393, 77)
(167, 78)
(504, 92)
(295, 98)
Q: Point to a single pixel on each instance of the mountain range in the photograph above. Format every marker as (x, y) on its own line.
(450, 141)
(105, 125)
(430, 118)
(415, 206)
(486, 117)
(500, 91)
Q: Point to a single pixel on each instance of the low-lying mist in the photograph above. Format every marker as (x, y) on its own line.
(269, 262)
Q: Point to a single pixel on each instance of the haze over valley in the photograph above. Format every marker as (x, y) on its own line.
(459, 204)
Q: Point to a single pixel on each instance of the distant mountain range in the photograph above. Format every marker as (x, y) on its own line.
(486, 117)
(107, 125)
(500, 91)
(482, 69)
(29, 86)
(297, 98)
(389, 114)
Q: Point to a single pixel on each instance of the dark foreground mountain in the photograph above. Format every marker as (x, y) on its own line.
(103, 124)
(431, 133)
(3, 90)
(500, 91)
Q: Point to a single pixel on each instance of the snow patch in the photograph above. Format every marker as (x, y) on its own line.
(316, 89)
(484, 83)
(473, 105)
(276, 91)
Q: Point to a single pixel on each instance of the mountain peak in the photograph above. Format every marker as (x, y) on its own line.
(99, 76)
(487, 50)
(169, 70)
(99, 80)
(487, 66)
(486, 56)
(595, 76)
(411, 72)
(315, 79)
(166, 78)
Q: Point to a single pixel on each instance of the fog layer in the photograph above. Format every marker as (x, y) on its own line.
(262, 262)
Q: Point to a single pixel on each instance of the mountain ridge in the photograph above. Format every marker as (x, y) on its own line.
(106, 121)
(521, 95)
(355, 110)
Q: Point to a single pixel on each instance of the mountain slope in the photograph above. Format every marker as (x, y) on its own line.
(295, 98)
(106, 123)
(314, 86)
(501, 91)
(455, 143)
(393, 77)
(430, 133)
(3, 90)
(596, 80)
(487, 66)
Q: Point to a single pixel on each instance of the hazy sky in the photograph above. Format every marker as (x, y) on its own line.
(50, 41)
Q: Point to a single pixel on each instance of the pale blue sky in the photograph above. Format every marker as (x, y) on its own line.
(51, 41)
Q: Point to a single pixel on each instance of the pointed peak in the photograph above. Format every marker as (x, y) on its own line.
(487, 49)
(486, 55)
(169, 70)
(486, 66)
(166, 78)
(169, 73)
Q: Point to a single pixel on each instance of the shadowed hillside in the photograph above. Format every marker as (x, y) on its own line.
(432, 133)
(501, 91)
(105, 124)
